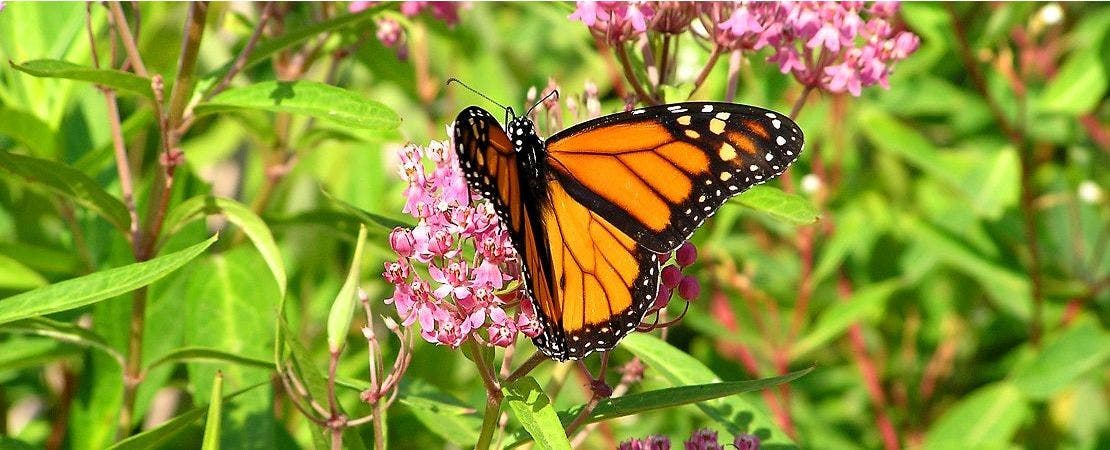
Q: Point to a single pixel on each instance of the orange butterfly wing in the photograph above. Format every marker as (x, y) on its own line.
(490, 165)
(603, 281)
(657, 173)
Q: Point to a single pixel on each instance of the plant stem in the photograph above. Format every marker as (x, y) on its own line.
(381, 438)
(705, 71)
(186, 64)
(1014, 130)
(128, 39)
(630, 76)
(870, 373)
(493, 394)
(800, 102)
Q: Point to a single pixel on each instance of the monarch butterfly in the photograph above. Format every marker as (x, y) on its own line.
(593, 209)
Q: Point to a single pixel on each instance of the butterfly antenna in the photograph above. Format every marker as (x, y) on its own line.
(554, 92)
(456, 80)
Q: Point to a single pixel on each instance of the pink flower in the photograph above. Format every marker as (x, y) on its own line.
(459, 289)
(615, 21)
(822, 44)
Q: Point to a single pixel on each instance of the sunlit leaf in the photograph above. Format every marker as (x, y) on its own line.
(252, 225)
(681, 369)
(95, 287)
(52, 68)
(308, 98)
(779, 204)
(1077, 350)
(988, 418)
(533, 409)
(164, 433)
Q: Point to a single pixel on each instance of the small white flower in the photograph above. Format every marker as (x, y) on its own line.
(1052, 14)
(1090, 192)
(811, 183)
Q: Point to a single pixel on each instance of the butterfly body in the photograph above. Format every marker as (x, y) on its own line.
(594, 209)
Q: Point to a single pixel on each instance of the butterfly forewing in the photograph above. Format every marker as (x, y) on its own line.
(489, 162)
(657, 173)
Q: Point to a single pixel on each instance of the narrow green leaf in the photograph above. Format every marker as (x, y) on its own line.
(95, 287)
(201, 354)
(1079, 349)
(343, 309)
(533, 409)
(242, 216)
(1078, 86)
(792, 208)
(1009, 290)
(638, 403)
(268, 48)
(442, 414)
(683, 395)
(65, 332)
(52, 68)
(865, 305)
(309, 98)
(682, 369)
(18, 277)
(162, 434)
(368, 217)
(21, 352)
(30, 131)
(212, 422)
(67, 182)
(988, 418)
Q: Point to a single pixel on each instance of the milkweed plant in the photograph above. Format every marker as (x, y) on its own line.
(937, 254)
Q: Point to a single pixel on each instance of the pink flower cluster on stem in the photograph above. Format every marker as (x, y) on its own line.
(834, 46)
(452, 268)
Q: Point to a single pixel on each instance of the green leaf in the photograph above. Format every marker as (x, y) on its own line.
(791, 208)
(268, 48)
(65, 332)
(212, 422)
(252, 225)
(442, 414)
(30, 131)
(52, 68)
(18, 277)
(201, 354)
(683, 395)
(309, 98)
(1078, 350)
(533, 409)
(682, 369)
(988, 418)
(866, 304)
(343, 309)
(95, 287)
(368, 217)
(1009, 290)
(638, 403)
(68, 182)
(162, 434)
(230, 304)
(1078, 87)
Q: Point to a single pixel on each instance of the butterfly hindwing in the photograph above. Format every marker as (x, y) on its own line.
(602, 281)
(657, 173)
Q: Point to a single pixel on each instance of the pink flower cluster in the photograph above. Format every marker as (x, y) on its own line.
(616, 21)
(704, 439)
(452, 268)
(835, 46)
(390, 32)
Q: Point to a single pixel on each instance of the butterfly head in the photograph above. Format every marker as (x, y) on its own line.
(522, 132)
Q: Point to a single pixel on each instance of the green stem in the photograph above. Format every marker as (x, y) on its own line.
(493, 394)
